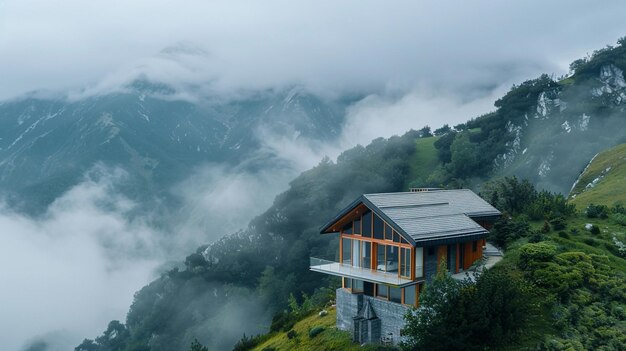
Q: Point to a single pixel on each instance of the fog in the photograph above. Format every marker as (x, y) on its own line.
(73, 269)
(70, 272)
(330, 47)
(76, 267)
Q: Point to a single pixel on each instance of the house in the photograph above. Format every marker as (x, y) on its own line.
(391, 245)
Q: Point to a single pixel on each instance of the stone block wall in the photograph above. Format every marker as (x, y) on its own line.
(391, 314)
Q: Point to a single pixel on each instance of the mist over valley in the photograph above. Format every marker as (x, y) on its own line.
(164, 181)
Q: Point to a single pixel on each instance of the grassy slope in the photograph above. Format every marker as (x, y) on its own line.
(424, 161)
(329, 339)
(575, 238)
(611, 188)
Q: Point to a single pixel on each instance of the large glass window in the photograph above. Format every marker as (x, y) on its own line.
(391, 259)
(395, 294)
(367, 254)
(356, 253)
(419, 262)
(382, 291)
(409, 295)
(388, 232)
(357, 285)
(345, 250)
(380, 258)
(405, 262)
(347, 228)
(379, 227)
(366, 224)
(357, 226)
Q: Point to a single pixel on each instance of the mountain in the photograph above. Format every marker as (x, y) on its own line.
(603, 182)
(48, 144)
(544, 130)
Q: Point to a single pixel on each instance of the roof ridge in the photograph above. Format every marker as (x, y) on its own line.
(415, 205)
(439, 215)
(421, 192)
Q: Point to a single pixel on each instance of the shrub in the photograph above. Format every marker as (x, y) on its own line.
(546, 227)
(539, 252)
(563, 235)
(506, 231)
(617, 208)
(591, 242)
(536, 238)
(248, 343)
(558, 223)
(292, 334)
(283, 321)
(315, 331)
(597, 211)
(595, 229)
(619, 218)
(197, 346)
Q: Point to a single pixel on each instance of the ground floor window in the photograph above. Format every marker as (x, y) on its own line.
(395, 294)
(382, 291)
(410, 295)
(357, 286)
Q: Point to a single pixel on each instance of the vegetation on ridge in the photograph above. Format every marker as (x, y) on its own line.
(579, 273)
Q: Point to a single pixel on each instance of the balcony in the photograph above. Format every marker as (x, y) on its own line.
(365, 274)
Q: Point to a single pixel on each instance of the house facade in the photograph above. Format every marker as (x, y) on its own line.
(391, 245)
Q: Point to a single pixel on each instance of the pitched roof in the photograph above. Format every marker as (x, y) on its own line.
(429, 215)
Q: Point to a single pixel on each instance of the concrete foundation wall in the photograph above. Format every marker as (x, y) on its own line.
(391, 314)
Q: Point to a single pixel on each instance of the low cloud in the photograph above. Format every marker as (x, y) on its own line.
(384, 116)
(329, 47)
(219, 200)
(75, 268)
(70, 272)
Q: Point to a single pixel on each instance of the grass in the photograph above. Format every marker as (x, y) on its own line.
(611, 187)
(424, 161)
(567, 81)
(575, 242)
(330, 339)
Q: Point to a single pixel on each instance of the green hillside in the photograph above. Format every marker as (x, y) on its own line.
(423, 162)
(540, 131)
(329, 339)
(604, 180)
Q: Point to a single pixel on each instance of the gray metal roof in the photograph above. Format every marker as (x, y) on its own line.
(429, 215)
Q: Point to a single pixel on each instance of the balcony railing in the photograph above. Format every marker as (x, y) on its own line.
(344, 270)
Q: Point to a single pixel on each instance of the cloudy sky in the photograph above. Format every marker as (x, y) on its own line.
(447, 47)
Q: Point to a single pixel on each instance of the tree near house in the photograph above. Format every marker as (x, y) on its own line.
(460, 315)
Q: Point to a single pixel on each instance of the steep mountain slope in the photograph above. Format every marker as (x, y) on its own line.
(46, 145)
(234, 285)
(546, 130)
(603, 181)
(527, 135)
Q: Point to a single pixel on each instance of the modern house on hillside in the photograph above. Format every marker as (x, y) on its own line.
(391, 244)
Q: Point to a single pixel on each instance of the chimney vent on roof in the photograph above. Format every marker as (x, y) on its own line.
(420, 190)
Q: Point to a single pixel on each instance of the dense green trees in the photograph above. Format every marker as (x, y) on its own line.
(455, 315)
(516, 197)
(589, 298)
(254, 272)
